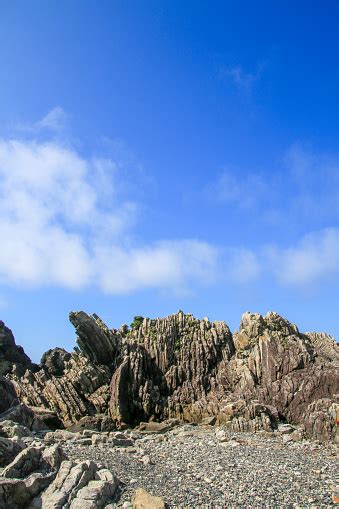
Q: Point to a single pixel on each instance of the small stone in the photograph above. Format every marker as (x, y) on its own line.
(209, 421)
(127, 505)
(146, 459)
(285, 428)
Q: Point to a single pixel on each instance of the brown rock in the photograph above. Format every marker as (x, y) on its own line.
(143, 500)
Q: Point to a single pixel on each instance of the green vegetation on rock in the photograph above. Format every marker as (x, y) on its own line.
(137, 322)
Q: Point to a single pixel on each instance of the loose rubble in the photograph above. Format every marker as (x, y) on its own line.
(210, 467)
(184, 466)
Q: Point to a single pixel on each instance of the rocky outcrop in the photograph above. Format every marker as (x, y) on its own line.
(189, 369)
(23, 415)
(81, 390)
(279, 366)
(12, 357)
(321, 420)
(95, 340)
(43, 477)
(54, 361)
(166, 365)
(81, 485)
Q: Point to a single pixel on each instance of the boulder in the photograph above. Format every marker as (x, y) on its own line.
(143, 500)
(9, 449)
(80, 485)
(10, 429)
(158, 427)
(18, 493)
(55, 361)
(24, 415)
(34, 458)
(43, 478)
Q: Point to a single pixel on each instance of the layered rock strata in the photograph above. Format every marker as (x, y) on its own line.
(190, 369)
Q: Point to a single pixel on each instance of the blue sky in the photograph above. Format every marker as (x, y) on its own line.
(159, 155)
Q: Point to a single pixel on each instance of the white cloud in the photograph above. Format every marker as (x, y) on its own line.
(55, 120)
(64, 222)
(162, 265)
(314, 258)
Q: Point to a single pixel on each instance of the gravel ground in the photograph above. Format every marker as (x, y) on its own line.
(206, 467)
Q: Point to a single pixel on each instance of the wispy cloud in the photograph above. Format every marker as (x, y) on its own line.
(242, 191)
(301, 197)
(243, 79)
(315, 258)
(68, 220)
(304, 185)
(55, 121)
(64, 222)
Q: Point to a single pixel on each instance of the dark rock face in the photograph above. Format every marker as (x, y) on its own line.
(95, 340)
(54, 361)
(11, 355)
(8, 396)
(166, 365)
(182, 367)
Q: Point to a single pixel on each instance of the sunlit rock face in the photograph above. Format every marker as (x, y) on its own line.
(190, 369)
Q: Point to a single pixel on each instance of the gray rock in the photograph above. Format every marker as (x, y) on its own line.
(9, 449)
(18, 493)
(11, 429)
(79, 486)
(34, 458)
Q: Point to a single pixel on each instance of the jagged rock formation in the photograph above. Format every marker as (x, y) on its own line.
(182, 367)
(11, 355)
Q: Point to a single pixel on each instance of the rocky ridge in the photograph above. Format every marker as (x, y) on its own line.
(181, 367)
(200, 407)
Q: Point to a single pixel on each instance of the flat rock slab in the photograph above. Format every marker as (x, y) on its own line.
(143, 500)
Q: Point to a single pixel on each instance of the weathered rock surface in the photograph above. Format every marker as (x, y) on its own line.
(10, 429)
(143, 500)
(24, 415)
(80, 485)
(44, 478)
(189, 369)
(11, 355)
(8, 396)
(54, 361)
(9, 449)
